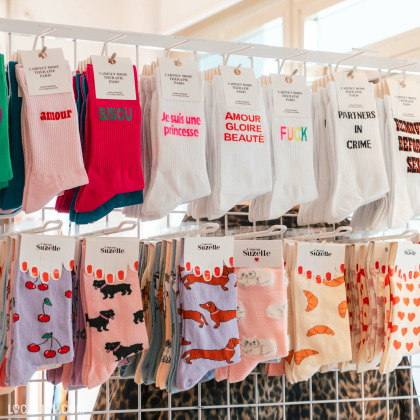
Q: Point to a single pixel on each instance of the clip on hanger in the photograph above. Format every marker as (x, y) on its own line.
(407, 234)
(57, 225)
(120, 228)
(203, 230)
(168, 50)
(274, 230)
(104, 48)
(341, 231)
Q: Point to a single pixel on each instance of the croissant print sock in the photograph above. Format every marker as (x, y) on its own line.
(41, 329)
(113, 159)
(322, 334)
(112, 334)
(54, 142)
(262, 301)
(405, 306)
(209, 327)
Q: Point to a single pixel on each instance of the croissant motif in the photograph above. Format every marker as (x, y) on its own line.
(320, 329)
(342, 308)
(289, 357)
(335, 282)
(303, 354)
(312, 300)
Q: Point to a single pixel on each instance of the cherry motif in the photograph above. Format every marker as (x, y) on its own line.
(15, 317)
(64, 349)
(29, 285)
(44, 317)
(43, 286)
(68, 294)
(33, 348)
(50, 353)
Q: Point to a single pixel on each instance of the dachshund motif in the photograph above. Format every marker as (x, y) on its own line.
(194, 315)
(189, 279)
(219, 355)
(218, 315)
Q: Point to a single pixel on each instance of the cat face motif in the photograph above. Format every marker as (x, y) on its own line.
(240, 312)
(249, 344)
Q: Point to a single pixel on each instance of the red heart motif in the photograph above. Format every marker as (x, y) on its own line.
(394, 328)
(410, 286)
(401, 315)
(257, 259)
(395, 300)
(416, 330)
(409, 346)
(416, 301)
(411, 316)
(406, 301)
(404, 331)
(399, 285)
(397, 344)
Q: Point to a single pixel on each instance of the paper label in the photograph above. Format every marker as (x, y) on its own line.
(405, 100)
(258, 253)
(114, 81)
(408, 257)
(241, 90)
(46, 76)
(354, 94)
(180, 79)
(208, 253)
(290, 99)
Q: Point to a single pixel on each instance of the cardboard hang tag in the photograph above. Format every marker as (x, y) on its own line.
(44, 256)
(180, 79)
(114, 81)
(290, 99)
(48, 75)
(408, 257)
(354, 94)
(405, 99)
(258, 253)
(110, 258)
(208, 255)
(240, 87)
(321, 263)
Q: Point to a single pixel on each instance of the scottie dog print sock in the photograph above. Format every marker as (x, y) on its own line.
(113, 157)
(318, 288)
(6, 173)
(53, 140)
(41, 329)
(404, 329)
(11, 197)
(178, 133)
(262, 301)
(110, 308)
(357, 152)
(241, 151)
(207, 342)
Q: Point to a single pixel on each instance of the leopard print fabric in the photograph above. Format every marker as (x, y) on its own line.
(123, 393)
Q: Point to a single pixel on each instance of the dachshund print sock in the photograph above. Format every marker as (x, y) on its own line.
(112, 334)
(318, 288)
(261, 301)
(210, 337)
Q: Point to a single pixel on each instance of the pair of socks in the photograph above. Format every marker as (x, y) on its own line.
(51, 145)
(6, 172)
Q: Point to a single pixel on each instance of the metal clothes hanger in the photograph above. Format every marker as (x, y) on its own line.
(274, 230)
(56, 225)
(120, 228)
(341, 231)
(203, 230)
(407, 234)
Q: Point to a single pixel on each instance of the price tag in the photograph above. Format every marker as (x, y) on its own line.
(114, 81)
(46, 76)
(180, 79)
(354, 93)
(240, 87)
(290, 99)
(405, 100)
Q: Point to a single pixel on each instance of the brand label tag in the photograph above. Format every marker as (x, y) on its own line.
(290, 99)
(46, 76)
(405, 100)
(258, 253)
(180, 79)
(240, 88)
(408, 256)
(114, 81)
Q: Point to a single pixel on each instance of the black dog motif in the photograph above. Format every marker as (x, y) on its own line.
(138, 316)
(121, 352)
(109, 290)
(101, 321)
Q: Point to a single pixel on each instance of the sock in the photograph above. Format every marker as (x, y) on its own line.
(208, 347)
(262, 299)
(49, 123)
(275, 369)
(113, 155)
(319, 341)
(178, 135)
(41, 329)
(111, 332)
(6, 173)
(11, 197)
(54, 375)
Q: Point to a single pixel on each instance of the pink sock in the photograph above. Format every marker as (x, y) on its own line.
(275, 369)
(51, 137)
(112, 149)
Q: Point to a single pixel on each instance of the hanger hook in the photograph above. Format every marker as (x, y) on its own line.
(226, 58)
(114, 38)
(280, 66)
(43, 33)
(168, 50)
(359, 51)
(399, 67)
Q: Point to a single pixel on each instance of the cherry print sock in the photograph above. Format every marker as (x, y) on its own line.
(113, 155)
(104, 349)
(208, 347)
(51, 138)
